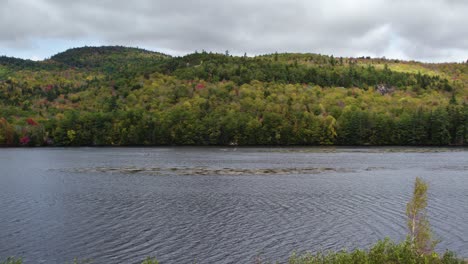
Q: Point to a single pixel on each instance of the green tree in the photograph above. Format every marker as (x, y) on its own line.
(6, 132)
(328, 130)
(419, 230)
(439, 127)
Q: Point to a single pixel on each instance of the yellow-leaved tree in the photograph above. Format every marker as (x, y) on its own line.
(419, 233)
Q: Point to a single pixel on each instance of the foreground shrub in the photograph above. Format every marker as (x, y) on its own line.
(149, 260)
(383, 252)
(11, 260)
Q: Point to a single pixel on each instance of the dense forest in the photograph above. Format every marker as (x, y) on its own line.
(128, 96)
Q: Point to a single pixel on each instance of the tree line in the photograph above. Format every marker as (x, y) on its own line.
(194, 114)
(126, 96)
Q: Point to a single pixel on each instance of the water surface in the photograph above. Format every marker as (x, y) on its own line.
(220, 205)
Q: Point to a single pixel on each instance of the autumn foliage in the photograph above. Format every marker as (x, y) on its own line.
(128, 96)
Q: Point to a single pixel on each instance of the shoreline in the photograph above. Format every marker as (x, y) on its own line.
(250, 146)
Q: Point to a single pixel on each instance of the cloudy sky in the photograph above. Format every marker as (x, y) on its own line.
(434, 31)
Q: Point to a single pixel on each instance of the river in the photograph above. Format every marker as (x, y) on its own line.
(220, 205)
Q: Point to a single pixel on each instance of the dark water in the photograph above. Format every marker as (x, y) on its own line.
(215, 205)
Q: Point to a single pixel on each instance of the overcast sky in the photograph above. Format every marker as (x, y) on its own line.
(427, 30)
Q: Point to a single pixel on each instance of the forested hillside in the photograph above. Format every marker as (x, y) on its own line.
(129, 96)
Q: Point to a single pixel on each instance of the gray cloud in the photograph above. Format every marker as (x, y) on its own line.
(409, 29)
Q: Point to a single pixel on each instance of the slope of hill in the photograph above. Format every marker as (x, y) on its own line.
(128, 96)
(107, 57)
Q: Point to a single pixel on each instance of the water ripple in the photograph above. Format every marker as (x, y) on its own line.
(107, 204)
